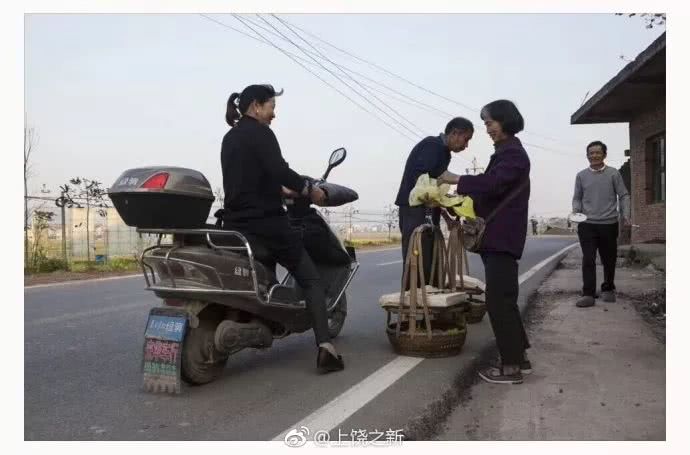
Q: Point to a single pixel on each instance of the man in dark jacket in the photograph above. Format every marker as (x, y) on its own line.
(430, 156)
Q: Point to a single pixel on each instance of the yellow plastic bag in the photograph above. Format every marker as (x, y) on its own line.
(427, 192)
(465, 208)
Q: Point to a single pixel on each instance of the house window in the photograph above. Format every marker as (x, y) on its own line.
(657, 150)
(656, 161)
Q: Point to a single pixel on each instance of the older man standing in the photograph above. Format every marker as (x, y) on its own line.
(599, 190)
(430, 156)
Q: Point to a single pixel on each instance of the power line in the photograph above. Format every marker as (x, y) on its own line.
(297, 58)
(558, 152)
(380, 68)
(359, 74)
(263, 40)
(403, 97)
(293, 56)
(320, 78)
(349, 76)
(336, 76)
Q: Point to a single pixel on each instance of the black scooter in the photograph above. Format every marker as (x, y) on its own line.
(218, 297)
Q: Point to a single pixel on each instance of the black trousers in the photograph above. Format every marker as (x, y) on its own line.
(502, 289)
(285, 246)
(602, 238)
(410, 218)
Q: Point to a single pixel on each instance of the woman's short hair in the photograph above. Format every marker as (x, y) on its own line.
(238, 103)
(459, 123)
(505, 113)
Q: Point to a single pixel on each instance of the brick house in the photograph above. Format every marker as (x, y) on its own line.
(637, 96)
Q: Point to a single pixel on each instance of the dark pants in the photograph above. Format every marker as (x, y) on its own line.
(410, 218)
(604, 238)
(285, 246)
(502, 289)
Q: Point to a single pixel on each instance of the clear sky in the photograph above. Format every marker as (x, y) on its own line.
(112, 91)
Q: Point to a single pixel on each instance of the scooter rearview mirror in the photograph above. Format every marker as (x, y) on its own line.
(337, 157)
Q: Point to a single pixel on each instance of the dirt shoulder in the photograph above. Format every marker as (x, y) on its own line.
(599, 372)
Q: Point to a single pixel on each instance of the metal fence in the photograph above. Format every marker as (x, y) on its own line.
(109, 237)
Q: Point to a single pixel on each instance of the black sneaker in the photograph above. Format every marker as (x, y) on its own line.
(327, 362)
(585, 301)
(608, 296)
(525, 365)
(496, 376)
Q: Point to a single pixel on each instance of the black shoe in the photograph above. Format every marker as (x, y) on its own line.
(327, 362)
(608, 296)
(525, 366)
(496, 376)
(585, 301)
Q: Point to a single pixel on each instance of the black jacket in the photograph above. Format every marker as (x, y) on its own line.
(430, 156)
(508, 168)
(253, 172)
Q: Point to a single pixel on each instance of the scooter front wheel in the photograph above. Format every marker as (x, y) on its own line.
(336, 319)
(201, 361)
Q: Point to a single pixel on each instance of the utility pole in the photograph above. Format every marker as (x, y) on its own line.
(391, 218)
(350, 211)
(474, 167)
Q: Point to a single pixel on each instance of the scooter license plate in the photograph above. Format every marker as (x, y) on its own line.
(163, 340)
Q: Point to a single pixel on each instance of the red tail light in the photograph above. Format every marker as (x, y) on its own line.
(156, 182)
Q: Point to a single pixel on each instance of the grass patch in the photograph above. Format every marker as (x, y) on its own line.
(113, 265)
(50, 265)
(370, 243)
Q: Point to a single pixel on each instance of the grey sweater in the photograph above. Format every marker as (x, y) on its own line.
(597, 195)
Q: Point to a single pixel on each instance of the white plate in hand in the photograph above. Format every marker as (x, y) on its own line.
(578, 217)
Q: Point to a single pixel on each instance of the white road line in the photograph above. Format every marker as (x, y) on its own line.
(530, 273)
(91, 280)
(85, 314)
(330, 415)
(391, 263)
(343, 406)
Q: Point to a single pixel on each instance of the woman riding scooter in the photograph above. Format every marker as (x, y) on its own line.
(255, 178)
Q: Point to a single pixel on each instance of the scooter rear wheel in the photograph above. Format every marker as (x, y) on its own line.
(201, 361)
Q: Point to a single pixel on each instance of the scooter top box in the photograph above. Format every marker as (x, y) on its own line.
(162, 197)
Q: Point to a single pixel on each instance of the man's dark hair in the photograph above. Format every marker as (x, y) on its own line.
(459, 123)
(239, 103)
(592, 144)
(505, 113)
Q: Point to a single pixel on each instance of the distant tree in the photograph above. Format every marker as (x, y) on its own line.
(652, 19)
(392, 215)
(90, 192)
(30, 140)
(40, 224)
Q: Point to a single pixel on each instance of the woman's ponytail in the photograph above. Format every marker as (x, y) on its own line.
(232, 114)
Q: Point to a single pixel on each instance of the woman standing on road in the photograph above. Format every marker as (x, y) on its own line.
(507, 175)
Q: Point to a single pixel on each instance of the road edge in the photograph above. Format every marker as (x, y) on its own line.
(428, 424)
